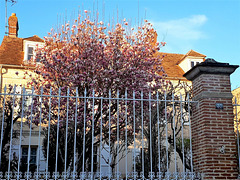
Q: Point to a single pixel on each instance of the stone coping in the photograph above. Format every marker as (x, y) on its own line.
(210, 66)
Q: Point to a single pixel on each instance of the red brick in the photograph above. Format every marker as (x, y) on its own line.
(212, 128)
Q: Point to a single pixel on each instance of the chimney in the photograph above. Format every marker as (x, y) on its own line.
(13, 25)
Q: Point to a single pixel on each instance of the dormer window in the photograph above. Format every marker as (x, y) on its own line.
(30, 49)
(191, 59)
(194, 63)
(30, 53)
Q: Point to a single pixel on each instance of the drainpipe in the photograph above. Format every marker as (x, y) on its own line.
(1, 78)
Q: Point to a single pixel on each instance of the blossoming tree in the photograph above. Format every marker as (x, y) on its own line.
(91, 59)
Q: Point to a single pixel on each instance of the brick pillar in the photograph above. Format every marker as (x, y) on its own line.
(213, 137)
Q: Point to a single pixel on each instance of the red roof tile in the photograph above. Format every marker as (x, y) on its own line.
(194, 53)
(170, 65)
(191, 53)
(34, 38)
(11, 51)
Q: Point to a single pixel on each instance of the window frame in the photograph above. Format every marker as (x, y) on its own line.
(30, 54)
(31, 44)
(31, 155)
(193, 63)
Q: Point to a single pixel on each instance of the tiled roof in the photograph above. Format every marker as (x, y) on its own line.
(11, 51)
(170, 64)
(34, 38)
(194, 53)
(191, 53)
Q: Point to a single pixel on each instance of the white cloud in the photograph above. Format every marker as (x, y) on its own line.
(185, 28)
(181, 34)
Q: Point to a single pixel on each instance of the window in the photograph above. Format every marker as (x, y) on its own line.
(194, 63)
(29, 48)
(135, 155)
(38, 59)
(33, 155)
(30, 52)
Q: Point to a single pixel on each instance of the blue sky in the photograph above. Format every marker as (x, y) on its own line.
(211, 27)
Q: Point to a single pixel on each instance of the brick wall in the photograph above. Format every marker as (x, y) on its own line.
(213, 137)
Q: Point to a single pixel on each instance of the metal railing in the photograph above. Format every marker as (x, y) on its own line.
(236, 111)
(66, 133)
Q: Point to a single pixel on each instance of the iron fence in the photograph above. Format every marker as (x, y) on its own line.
(236, 108)
(70, 134)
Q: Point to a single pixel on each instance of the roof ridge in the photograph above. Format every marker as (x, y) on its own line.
(187, 54)
(192, 51)
(32, 36)
(171, 53)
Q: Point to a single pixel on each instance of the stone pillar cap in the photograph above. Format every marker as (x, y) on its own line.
(210, 66)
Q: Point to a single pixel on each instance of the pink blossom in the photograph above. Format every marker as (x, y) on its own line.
(94, 59)
(163, 43)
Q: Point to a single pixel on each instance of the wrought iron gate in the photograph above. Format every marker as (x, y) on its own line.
(66, 133)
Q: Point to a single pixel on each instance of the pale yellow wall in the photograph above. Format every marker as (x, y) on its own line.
(186, 63)
(186, 84)
(9, 76)
(236, 94)
(236, 107)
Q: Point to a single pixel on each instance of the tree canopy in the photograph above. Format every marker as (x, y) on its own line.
(91, 59)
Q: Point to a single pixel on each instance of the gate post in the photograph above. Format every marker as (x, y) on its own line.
(213, 137)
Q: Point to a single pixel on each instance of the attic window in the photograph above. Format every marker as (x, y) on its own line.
(194, 63)
(29, 48)
(30, 52)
